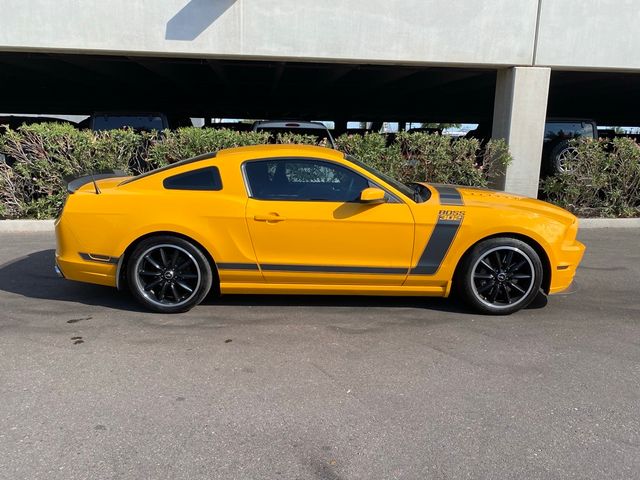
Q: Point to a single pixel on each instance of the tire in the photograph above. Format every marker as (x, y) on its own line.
(500, 276)
(168, 274)
(559, 157)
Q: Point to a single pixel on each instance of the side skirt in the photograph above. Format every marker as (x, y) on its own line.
(307, 289)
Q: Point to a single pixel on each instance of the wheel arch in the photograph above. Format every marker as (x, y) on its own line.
(121, 271)
(533, 243)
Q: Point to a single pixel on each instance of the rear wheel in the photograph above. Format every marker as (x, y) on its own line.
(500, 276)
(169, 274)
(563, 157)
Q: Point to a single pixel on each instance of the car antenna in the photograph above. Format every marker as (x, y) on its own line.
(93, 179)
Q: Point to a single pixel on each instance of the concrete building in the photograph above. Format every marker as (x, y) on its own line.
(508, 62)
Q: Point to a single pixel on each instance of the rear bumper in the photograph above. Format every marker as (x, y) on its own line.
(84, 271)
(565, 270)
(56, 268)
(72, 264)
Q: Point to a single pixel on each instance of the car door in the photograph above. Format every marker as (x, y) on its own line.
(308, 226)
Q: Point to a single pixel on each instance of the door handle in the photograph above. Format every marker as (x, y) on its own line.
(270, 217)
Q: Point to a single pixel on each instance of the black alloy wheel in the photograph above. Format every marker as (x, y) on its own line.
(501, 276)
(169, 274)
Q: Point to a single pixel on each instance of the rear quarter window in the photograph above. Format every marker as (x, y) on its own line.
(207, 178)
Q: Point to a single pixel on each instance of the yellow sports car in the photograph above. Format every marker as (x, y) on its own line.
(294, 219)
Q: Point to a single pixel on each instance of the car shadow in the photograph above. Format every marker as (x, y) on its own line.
(365, 301)
(32, 276)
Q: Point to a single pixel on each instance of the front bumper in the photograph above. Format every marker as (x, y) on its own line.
(565, 269)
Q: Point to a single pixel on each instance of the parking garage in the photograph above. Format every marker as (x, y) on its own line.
(77, 84)
(509, 65)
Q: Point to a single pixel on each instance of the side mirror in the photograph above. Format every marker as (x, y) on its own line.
(372, 195)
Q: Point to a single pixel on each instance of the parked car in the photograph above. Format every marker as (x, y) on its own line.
(556, 148)
(299, 219)
(317, 129)
(138, 121)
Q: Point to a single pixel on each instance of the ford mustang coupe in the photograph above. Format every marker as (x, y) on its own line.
(294, 219)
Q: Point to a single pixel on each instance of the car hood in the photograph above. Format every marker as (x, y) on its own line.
(486, 198)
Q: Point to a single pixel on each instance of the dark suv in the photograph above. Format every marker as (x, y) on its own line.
(138, 121)
(556, 147)
(558, 133)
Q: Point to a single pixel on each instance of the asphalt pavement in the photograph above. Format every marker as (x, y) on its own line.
(258, 387)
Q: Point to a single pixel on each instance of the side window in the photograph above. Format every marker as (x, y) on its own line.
(207, 178)
(303, 180)
(567, 130)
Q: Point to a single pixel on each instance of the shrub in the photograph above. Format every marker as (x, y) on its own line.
(431, 158)
(171, 146)
(372, 150)
(603, 179)
(43, 155)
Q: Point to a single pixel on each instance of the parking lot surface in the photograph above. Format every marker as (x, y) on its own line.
(256, 387)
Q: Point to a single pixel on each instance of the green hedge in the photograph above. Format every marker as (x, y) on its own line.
(42, 155)
(602, 180)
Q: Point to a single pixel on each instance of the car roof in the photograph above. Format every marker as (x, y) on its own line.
(256, 151)
(297, 150)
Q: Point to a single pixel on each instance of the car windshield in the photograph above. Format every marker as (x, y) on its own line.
(401, 187)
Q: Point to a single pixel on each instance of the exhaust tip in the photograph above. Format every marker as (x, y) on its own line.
(58, 271)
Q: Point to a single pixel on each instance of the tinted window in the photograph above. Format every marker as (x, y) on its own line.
(566, 130)
(202, 179)
(303, 180)
(112, 122)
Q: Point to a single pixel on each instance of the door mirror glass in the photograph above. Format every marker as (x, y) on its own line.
(372, 195)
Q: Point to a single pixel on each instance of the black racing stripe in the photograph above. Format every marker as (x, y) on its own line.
(333, 269)
(437, 247)
(448, 195)
(237, 266)
(96, 257)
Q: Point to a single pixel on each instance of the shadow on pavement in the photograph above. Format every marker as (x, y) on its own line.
(364, 301)
(33, 276)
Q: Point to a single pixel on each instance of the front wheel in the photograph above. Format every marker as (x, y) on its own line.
(500, 276)
(168, 274)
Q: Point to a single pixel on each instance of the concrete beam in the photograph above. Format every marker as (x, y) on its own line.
(519, 115)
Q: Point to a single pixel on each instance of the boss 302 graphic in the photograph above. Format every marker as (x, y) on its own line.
(293, 219)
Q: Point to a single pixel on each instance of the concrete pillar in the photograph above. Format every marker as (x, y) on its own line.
(519, 115)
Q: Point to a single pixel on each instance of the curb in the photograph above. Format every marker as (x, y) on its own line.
(588, 223)
(25, 226)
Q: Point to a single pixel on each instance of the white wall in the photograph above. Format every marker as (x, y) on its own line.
(496, 32)
(592, 34)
